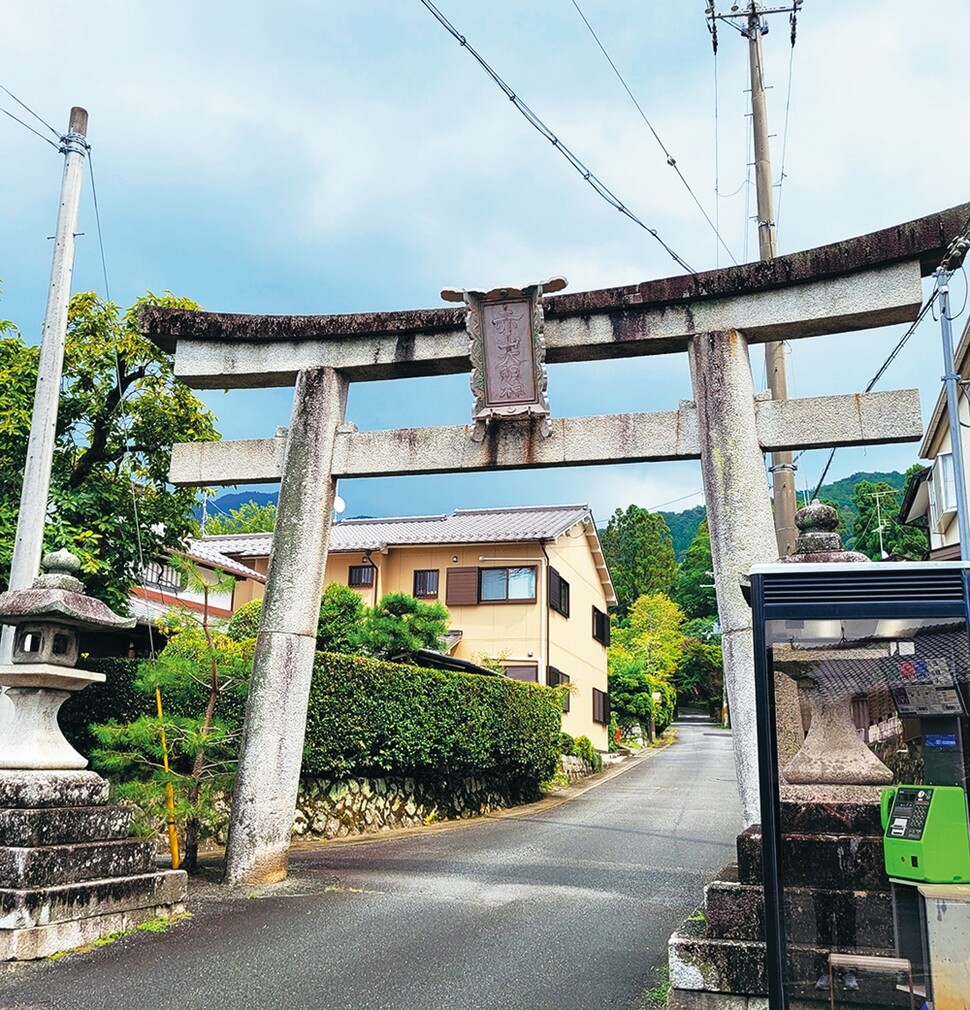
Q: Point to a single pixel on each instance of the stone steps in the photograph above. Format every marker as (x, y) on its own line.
(735, 911)
(51, 865)
(829, 861)
(702, 963)
(29, 908)
(31, 827)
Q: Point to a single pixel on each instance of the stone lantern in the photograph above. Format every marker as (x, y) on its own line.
(47, 619)
(833, 752)
(69, 873)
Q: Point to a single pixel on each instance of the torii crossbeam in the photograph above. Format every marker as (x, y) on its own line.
(870, 281)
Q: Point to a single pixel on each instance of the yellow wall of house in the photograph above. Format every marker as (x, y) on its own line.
(515, 631)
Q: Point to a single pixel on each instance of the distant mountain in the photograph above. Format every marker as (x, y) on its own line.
(683, 525)
(223, 504)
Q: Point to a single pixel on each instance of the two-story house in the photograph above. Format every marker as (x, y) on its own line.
(930, 497)
(527, 587)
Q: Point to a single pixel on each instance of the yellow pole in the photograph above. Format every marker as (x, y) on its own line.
(173, 838)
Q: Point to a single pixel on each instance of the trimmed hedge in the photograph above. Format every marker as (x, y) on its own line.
(368, 717)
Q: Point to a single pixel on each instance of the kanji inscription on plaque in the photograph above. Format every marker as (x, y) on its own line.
(508, 353)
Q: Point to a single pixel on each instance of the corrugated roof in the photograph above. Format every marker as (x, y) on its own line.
(463, 526)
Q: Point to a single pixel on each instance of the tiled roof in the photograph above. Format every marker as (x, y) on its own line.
(208, 554)
(464, 526)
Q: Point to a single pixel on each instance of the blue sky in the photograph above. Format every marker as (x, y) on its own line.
(332, 157)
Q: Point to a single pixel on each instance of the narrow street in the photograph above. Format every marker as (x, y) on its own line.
(566, 907)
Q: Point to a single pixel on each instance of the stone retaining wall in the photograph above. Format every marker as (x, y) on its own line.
(335, 809)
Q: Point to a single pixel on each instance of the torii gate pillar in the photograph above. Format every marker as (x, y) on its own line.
(268, 776)
(740, 523)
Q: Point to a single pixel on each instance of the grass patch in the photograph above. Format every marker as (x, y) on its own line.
(655, 998)
(159, 925)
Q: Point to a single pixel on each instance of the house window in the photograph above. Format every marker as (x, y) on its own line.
(601, 626)
(526, 671)
(426, 583)
(944, 486)
(601, 707)
(159, 576)
(556, 678)
(511, 584)
(558, 593)
(360, 575)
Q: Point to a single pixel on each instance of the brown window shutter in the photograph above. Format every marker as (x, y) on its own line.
(462, 587)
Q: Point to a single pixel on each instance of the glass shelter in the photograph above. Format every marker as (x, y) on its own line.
(865, 837)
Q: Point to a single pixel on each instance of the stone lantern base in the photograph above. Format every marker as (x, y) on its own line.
(68, 872)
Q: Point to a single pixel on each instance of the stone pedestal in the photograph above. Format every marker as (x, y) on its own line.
(68, 872)
(836, 899)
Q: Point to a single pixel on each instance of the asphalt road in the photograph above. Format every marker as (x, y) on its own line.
(567, 907)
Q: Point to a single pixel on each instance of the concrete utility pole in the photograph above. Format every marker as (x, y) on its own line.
(29, 542)
(782, 467)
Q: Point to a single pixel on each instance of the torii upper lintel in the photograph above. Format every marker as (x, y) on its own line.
(652, 317)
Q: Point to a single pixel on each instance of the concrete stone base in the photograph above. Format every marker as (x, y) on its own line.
(42, 941)
(836, 898)
(69, 874)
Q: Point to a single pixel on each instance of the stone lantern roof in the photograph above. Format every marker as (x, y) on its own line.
(59, 595)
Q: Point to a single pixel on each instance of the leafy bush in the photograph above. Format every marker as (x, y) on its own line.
(368, 717)
(584, 749)
(244, 623)
(567, 745)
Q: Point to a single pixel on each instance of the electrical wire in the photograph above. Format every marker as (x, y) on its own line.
(882, 370)
(598, 186)
(122, 397)
(673, 501)
(97, 218)
(784, 136)
(26, 126)
(671, 160)
(27, 108)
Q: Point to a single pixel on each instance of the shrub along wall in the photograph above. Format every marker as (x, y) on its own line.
(386, 744)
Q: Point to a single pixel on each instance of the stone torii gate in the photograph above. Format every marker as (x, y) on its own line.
(874, 280)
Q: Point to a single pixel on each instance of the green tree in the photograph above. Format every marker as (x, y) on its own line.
(694, 592)
(699, 676)
(341, 624)
(203, 676)
(642, 660)
(639, 554)
(400, 625)
(121, 411)
(340, 627)
(877, 525)
(250, 517)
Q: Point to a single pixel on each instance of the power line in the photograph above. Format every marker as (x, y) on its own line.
(97, 218)
(31, 111)
(26, 126)
(927, 305)
(784, 135)
(598, 186)
(671, 160)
